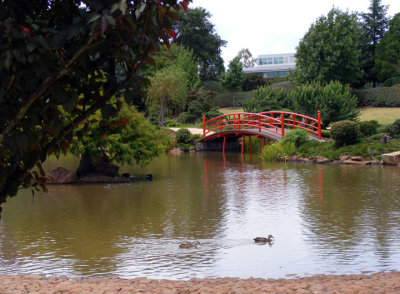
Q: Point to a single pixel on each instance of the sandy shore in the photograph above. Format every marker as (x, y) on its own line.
(375, 283)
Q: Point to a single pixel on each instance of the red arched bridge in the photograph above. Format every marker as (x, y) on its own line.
(270, 124)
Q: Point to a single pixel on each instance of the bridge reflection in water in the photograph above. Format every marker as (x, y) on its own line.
(270, 125)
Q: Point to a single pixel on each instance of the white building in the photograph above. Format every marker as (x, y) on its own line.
(273, 65)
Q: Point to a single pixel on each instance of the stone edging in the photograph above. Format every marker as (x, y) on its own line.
(345, 159)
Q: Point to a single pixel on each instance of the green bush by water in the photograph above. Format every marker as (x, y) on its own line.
(367, 147)
(185, 140)
(345, 132)
(183, 136)
(297, 137)
(271, 152)
(278, 150)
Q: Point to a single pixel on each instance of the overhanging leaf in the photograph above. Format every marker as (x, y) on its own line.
(140, 10)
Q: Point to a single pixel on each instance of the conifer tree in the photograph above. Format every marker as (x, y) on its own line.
(374, 25)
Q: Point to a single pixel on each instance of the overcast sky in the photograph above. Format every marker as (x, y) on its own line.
(272, 26)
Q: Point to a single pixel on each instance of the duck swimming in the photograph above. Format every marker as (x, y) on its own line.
(263, 239)
(188, 245)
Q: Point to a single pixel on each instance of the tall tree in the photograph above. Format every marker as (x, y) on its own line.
(234, 77)
(196, 32)
(388, 51)
(181, 57)
(246, 58)
(374, 26)
(60, 62)
(330, 51)
(168, 85)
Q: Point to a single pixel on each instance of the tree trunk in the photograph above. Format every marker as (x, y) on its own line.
(163, 106)
(99, 164)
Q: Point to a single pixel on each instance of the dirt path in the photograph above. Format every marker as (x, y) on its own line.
(375, 283)
(194, 131)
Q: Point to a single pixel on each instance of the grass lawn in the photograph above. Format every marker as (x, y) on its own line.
(384, 115)
(231, 110)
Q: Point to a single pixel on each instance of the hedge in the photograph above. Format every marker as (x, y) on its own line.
(378, 97)
(226, 99)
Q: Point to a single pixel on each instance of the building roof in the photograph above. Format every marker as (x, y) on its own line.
(288, 65)
(269, 67)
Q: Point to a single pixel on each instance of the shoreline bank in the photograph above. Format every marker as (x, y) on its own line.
(387, 282)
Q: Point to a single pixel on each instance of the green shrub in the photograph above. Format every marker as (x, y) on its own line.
(253, 81)
(169, 142)
(212, 113)
(334, 100)
(368, 128)
(283, 85)
(184, 139)
(186, 118)
(172, 124)
(183, 136)
(367, 147)
(287, 149)
(256, 145)
(394, 129)
(390, 82)
(271, 152)
(378, 97)
(196, 138)
(297, 137)
(214, 86)
(232, 99)
(325, 134)
(345, 132)
(266, 99)
(377, 137)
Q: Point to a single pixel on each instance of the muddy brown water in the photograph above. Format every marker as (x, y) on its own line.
(325, 219)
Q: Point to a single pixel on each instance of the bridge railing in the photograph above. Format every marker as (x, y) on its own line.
(295, 120)
(243, 121)
(271, 121)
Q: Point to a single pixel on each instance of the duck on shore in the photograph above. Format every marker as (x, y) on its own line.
(263, 239)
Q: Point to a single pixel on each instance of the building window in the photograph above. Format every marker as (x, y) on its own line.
(283, 73)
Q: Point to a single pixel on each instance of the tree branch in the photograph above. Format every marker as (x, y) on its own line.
(43, 87)
(80, 119)
(9, 84)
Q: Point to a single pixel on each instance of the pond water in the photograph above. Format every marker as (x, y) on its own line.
(325, 219)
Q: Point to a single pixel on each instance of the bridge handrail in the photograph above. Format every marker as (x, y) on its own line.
(305, 125)
(289, 113)
(240, 120)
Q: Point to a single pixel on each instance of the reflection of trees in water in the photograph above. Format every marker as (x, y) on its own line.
(353, 209)
(260, 195)
(85, 223)
(95, 229)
